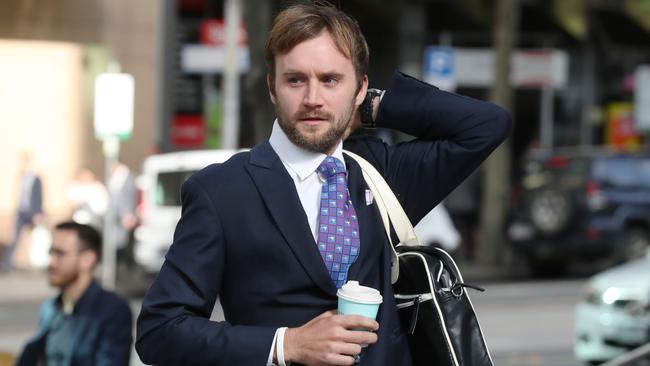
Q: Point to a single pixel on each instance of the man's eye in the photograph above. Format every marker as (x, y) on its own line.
(331, 80)
(294, 80)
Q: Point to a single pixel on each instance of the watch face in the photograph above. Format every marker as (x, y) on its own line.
(374, 92)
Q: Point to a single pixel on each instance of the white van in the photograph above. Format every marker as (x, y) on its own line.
(159, 205)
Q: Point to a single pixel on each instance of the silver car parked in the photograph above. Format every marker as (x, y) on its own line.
(160, 200)
(613, 315)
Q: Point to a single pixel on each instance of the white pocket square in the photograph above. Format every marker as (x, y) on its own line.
(370, 198)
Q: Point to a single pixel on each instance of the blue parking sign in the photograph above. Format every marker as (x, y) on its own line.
(439, 68)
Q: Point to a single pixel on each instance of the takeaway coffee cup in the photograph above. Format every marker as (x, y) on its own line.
(355, 299)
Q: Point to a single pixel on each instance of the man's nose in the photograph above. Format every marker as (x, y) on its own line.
(313, 94)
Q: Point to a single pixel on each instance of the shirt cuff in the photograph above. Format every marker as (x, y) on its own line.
(269, 362)
(278, 343)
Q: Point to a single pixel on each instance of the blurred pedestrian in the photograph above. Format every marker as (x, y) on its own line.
(84, 324)
(30, 207)
(89, 199)
(121, 212)
(463, 205)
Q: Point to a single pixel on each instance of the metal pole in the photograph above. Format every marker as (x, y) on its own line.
(588, 82)
(233, 15)
(546, 118)
(167, 73)
(111, 147)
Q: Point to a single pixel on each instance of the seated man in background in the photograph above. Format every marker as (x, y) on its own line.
(84, 324)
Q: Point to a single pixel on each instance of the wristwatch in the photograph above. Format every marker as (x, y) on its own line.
(366, 108)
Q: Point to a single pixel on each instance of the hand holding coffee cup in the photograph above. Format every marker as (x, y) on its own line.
(353, 325)
(355, 299)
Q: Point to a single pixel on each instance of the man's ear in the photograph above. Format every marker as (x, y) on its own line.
(88, 260)
(363, 89)
(270, 83)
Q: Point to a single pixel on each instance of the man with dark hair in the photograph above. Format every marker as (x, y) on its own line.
(274, 232)
(83, 325)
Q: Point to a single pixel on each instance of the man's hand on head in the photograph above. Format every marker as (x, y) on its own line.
(329, 339)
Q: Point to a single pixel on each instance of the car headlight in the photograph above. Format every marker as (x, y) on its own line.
(611, 295)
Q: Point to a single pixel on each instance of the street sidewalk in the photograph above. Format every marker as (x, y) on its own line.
(24, 285)
(21, 293)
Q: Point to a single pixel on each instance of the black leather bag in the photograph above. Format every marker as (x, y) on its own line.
(432, 300)
(436, 311)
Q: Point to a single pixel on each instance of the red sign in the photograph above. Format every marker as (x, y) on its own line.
(188, 131)
(621, 131)
(213, 32)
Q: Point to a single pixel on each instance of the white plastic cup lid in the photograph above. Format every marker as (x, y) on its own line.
(354, 292)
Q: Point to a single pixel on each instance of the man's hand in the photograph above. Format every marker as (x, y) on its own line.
(329, 339)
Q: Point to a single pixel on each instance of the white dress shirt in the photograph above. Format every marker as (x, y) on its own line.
(301, 165)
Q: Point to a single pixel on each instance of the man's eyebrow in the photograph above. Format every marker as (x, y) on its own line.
(292, 73)
(336, 74)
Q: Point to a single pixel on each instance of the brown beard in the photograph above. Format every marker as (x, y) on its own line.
(323, 143)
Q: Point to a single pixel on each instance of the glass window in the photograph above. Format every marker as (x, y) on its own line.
(623, 172)
(168, 188)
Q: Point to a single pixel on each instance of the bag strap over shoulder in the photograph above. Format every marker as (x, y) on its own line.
(390, 209)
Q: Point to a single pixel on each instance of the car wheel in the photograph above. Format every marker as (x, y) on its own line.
(636, 241)
(550, 211)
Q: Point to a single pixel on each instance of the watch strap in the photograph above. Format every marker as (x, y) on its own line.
(366, 108)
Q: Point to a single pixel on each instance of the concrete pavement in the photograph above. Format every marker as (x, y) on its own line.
(24, 285)
(21, 293)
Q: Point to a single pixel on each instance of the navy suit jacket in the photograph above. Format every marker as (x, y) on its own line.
(244, 236)
(101, 336)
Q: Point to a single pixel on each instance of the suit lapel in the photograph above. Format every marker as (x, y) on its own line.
(357, 187)
(279, 194)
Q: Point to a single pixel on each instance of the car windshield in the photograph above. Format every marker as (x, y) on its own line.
(623, 172)
(168, 187)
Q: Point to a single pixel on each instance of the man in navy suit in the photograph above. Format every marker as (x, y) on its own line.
(250, 229)
(84, 325)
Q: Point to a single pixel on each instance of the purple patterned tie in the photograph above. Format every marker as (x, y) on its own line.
(338, 232)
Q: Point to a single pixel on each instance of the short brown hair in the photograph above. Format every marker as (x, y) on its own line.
(302, 22)
(89, 237)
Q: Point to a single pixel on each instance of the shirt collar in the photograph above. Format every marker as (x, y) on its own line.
(302, 162)
(84, 303)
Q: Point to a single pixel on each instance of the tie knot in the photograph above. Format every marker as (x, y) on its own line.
(330, 167)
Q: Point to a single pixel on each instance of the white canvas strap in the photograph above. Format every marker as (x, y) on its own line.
(390, 209)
